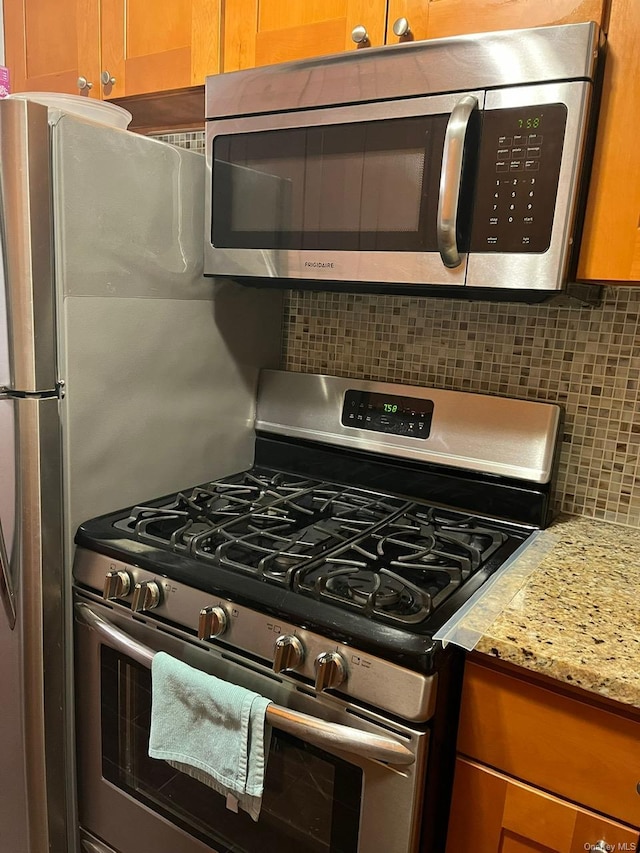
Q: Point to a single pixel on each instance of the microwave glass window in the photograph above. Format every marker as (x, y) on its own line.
(311, 802)
(365, 186)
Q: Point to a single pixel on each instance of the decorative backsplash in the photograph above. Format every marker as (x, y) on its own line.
(586, 359)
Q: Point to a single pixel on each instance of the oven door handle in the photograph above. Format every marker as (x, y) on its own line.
(451, 180)
(303, 726)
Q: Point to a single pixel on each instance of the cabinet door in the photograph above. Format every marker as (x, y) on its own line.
(170, 44)
(491, 813)
(413, 14)
(48, 46)
(457, 17)
(610, 249)
(261, 32)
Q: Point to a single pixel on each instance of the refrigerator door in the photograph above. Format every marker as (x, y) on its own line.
(7, 462)
(32, 790)
(25, 185)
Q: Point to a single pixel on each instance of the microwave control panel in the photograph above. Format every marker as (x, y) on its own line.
(387, 413)
(517, 184)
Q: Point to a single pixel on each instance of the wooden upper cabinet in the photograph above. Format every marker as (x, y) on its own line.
(457, 17)
(262, 32)
(49, 46)
(610, 249)
(140, 47)
(491, 813)
(443, 18)
(170, 44)
(401, 14)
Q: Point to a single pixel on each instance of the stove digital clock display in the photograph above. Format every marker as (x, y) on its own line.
(410, 416)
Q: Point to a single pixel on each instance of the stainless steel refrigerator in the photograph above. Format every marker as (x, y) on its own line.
(124, 374)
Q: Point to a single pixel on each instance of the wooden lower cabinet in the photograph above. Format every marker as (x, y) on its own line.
(492, 813)
(541, 768)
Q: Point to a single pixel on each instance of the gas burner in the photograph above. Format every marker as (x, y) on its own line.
(376, 592)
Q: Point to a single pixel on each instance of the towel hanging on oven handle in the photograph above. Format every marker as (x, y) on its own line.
(310, 729)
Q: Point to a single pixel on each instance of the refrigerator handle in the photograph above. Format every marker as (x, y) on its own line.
(6, 587)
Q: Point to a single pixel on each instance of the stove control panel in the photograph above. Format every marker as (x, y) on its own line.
(389, 413)
(309, 657)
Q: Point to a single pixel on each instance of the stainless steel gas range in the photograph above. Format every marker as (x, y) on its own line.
(318, 579)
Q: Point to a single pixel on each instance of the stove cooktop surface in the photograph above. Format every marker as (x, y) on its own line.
(332, 555)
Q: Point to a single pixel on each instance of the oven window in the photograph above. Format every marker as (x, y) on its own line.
(353, 187)
(311, 802)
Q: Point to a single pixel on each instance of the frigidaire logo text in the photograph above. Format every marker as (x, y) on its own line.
(327, 265)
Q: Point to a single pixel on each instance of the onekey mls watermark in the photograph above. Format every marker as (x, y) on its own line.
(602, 846)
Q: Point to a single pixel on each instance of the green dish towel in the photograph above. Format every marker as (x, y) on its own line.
(209, 729)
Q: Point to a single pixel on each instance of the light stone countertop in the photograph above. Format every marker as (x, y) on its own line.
(575, 617)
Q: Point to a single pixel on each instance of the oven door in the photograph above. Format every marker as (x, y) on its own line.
(370, 192)
(326, 788)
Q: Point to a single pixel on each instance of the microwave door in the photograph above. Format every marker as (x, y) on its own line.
(344, 194)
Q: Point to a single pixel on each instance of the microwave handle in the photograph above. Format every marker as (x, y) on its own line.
(450, 180)
(303, 726)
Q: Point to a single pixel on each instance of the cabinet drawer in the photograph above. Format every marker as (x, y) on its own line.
(492, 813)
(557, 743)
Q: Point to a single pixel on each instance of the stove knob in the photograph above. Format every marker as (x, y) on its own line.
(212, 622)
(288, 653)
(331, 670)
(116, 585)
(146, 596)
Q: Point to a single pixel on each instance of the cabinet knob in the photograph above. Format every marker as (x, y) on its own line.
(600, 847)
(288, 653)
(212, 622)
(83, 83)
(401, 27)
(116, 585)
(146, 596)
(331, 670)
(360, 35)
(107, 79)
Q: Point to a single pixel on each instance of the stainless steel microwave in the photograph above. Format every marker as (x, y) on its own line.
(433, 165)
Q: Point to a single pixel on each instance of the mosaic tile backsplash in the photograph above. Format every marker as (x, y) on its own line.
(586, 359)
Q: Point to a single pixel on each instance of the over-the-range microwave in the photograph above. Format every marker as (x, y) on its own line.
(449, 166)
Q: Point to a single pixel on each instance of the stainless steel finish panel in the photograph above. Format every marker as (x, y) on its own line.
(402, 692)
(7, 453)
(546, 271)
(311, 729)
(391, 798)
(388, 267)
(486, 60)
(32, 790)
(25, 191)
(160, 364)
(495, 435)
(128, 215)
